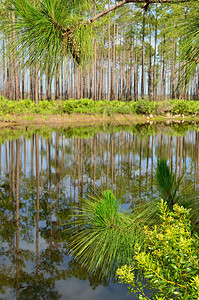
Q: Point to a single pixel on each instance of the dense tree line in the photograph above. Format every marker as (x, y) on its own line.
(136, 50)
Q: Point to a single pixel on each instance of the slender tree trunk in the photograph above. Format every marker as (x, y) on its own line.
(113, 73)
(198, 84)
(163, 70)
(4, 68)
(41, 86)
(36, 84)
(136, 73)
(15, 66)
(65, 81)
(95, 65)
(23, 78)
(143, 50)
(91, 82)
(109, 41)
(116, 79)
(150, 69)
(154, 65)
(62, 80)
(57, 81)
(10, 74)
(71, 81)
(79, 82)
(31, 84)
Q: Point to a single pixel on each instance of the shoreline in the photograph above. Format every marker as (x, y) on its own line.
(78, 120)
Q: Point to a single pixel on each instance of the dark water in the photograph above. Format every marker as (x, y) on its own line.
(46, 173)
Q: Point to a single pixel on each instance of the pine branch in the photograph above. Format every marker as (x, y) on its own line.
(69, 34)
(103, 13)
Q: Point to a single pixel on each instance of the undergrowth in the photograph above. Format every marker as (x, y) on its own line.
(105, 108)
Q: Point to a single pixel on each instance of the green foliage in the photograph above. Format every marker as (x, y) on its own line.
(82, 106)
(169, 260)
(167, 183)
(189, 53)
(89, 106)
(145, 107)
(103, 237)
(173, 190)
(185, 107)
(106, 212)
(47, 31)
(181, 107)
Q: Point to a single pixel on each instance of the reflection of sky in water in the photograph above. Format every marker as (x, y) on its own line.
(131, 177)
(81, 290)
(75, 289)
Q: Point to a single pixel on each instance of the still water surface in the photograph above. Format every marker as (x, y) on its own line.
(44, 176)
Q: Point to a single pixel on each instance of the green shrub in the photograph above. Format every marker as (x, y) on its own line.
(89, 106)
(185, 107)
(181, 107)
(169, 260)
(145, 107)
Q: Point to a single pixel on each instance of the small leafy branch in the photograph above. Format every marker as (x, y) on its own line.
(169, 260)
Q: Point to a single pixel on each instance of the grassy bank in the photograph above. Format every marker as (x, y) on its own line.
(91, 107)
(88, 111)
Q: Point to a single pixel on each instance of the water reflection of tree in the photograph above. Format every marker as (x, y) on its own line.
(14, 197)
(27, 285)
(43, 179)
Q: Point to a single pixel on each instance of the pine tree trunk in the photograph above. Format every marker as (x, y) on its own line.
(31, 84)
(136, 73)
(4, 69)
(150, 71)
(163, 71)
(116, 79)
(15, 66)
(36, 84)
(41, 86)
(79, 82)
(173, 77)
(62, 80)
(154, 65)
(65, 81)
(95, 64)
(143, 50)
(109, 39)
(131, 70)
(113, 74)
(10, 75)
(102, 71)
(198, 84)
(91, 81)
(120, 73)
(75, 81)
(71, 81)
(23, 78)
(57, 93)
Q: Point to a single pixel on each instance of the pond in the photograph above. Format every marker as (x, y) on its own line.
(45, 173)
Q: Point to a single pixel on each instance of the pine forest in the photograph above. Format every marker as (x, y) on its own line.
(65, 50)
